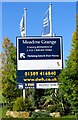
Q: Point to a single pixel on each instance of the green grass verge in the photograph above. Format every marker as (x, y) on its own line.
(69, 116)
(39, 119)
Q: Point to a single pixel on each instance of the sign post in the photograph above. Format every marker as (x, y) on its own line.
(39, 62)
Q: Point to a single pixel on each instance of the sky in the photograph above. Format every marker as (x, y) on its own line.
(63, 20)
(39, 0)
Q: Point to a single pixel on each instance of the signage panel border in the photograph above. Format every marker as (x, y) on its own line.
(22, 85)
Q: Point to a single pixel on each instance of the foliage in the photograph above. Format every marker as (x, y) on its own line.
(54, 108)
(69, 76)
(9, 90)
(22, 104)
(19, 104)
(48, 98)
(40, 114)
(3, 111)
(30, 100)
(38, 99)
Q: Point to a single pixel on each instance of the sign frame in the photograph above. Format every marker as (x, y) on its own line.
(28, 38)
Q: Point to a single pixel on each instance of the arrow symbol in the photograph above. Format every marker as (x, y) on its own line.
(22, 55)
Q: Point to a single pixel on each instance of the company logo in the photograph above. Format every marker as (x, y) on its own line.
(20, 86)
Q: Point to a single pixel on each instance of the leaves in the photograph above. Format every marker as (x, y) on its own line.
(9, 70)
(69, 75)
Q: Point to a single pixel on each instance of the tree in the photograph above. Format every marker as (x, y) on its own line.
(9, 90)
(69, 75)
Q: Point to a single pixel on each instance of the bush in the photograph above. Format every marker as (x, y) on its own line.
(22, 104)
(10, 106)
(19, 104)
(40, 114)
(54, 108)
(50, 108)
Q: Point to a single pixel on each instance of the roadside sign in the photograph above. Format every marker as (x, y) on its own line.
(39, 60)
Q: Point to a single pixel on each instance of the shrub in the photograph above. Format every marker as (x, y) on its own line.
(50, 108)
(22, 104)
(19, 104)
(29, 104)
(40, 114)
(10, 106)
(54, 108)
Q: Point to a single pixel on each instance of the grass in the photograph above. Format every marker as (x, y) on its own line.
(69, 116)
(39, 119)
